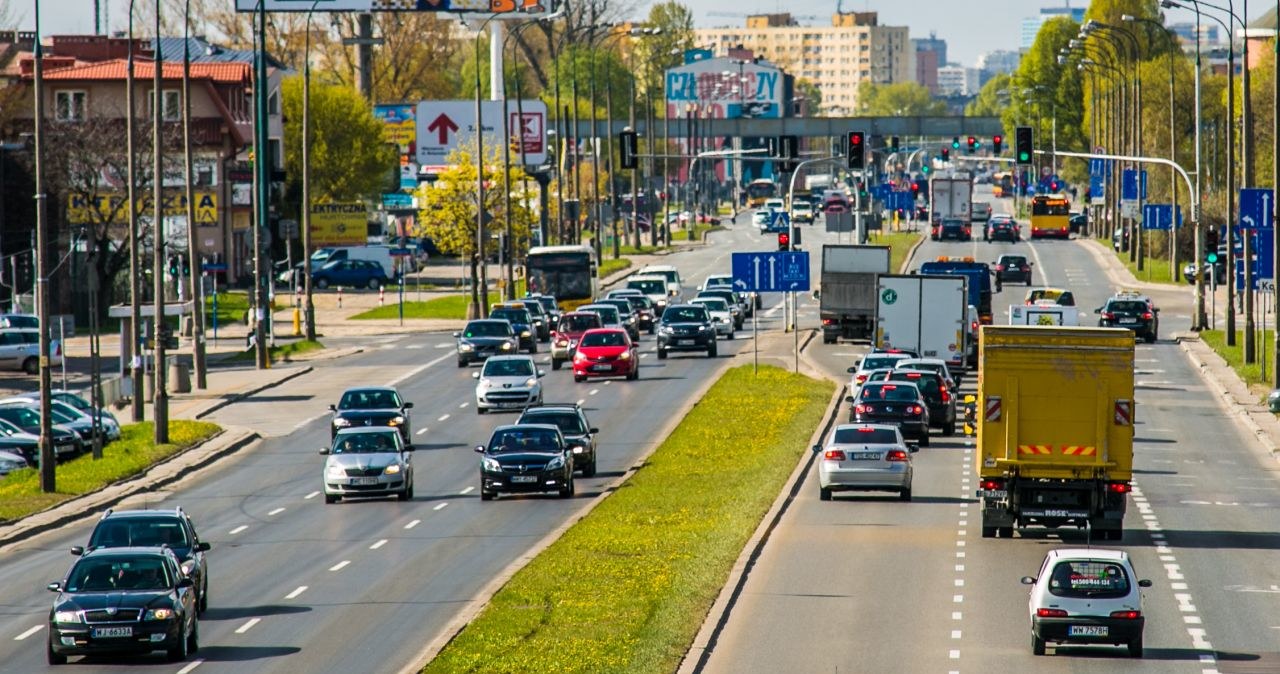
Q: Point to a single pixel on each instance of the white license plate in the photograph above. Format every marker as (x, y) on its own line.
(356, 481)
(523, 479)
(1087, 631)
(112, 632)
(995, 493)
(1128, 321)
(601, 368)
(684, 342)
(865, 456)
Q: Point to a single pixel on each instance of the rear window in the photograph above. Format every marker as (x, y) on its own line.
(928, 384)
(578, 323)
(894, 392)
(870, 436)
(1129, 306)
(1088, 578)
(1013, 259)
(877, 362)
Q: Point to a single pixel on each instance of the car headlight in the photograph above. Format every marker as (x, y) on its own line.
(562, 342)
(506, 346)
(491, 464)
(531, 382)
(158, 614)
(396, 421)
(66, 617)
(393, 469)
(556, 463)
(336, 471)
(341, 422)
(464, 347)
(579, 356)
(524, 333)
(626, 355)
(702, 328)
(666, 330)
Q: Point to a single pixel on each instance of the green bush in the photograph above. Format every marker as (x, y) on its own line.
(627, 587)
(133, 453)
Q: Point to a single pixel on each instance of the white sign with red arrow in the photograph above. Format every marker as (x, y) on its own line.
(444, 125)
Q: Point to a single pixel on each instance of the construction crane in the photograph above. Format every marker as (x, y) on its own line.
(741, 15)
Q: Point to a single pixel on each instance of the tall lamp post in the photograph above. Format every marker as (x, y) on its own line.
(480, 286)
(135, 263)
(309, 312)
(160, 406)
(193, 250)
(47, 473)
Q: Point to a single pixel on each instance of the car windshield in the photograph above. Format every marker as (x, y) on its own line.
(877, 362)
(578, 322)
(672, 275)
(523, 440)
(622, 305)
(569, 423)
(534, 308)
(487, 329)
(890, 392)
(723, 293)
(368, 400)
(639, 302)
(512, 315)
(508, 367)
(719, 281)
(713, 303)
(1128, 306)
(548, 303)
(120, 532)
(1088, 578)
(604, 339)
(1013, 259)
(865, 436)
(61, 416)
(365, 443)
(20, 321)
(73, 400)
(684, 315)
(649, 286)
(116, 573)
(927, 367)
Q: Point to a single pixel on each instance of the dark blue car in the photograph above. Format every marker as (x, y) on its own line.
(350, 274)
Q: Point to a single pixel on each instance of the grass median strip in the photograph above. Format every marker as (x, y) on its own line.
(1251, 373)
(627, 587)
(133, 453)
(899, 244)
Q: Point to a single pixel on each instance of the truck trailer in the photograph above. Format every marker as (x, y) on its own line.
(847, 294)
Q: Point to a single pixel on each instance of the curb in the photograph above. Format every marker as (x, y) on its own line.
(1225, 396)
(82, 506)
(340, 353)
(237, 397)
(911, 255)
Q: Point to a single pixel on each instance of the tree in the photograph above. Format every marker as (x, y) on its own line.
(674, 20)
(1049, 96)
(811, 94)
(411, 65)
(992, 99)
(900, 99)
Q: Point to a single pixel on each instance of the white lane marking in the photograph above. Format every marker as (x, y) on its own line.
(310, 496)
(191, 666)
(959, 544)
(1174, 572)
(380, 543)
(1191, 619)
(960, 567)
(959, 582)
(468, 490)
(443, 417)
(957, 599)
(463, 405)
(277, 511)
(295, 593)
(593, 391)
(238, 529)
(960, 555)
(28, 633)
(956, 615)
(421, 431)
(248, 626)
(954, 654)
(413, 524)
(1177, 586)
(608, 381)
(415, 346)
(581, 400)
(955, 634)
(440, 506)
(445, 346)
(340, 565)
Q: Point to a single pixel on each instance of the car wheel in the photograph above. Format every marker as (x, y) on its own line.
(1135, 647)
(711, 350)
(374, 283)
(905, 494)
(1028, 281)
(182, 650)
(824, 493)
(31, 366)
(407, 494)
(662, 354)
(652, 330)
(193, 641)
(204, 598)
(486, 495)
(579, 378)
(1037, 645)
(556, 363)
(53, 657)
(462, 363)
(481, 410)
(533, 347)
(567, 491)
(321, 283)
(590, 469)
(950, 429)
(633, 374)
(988, 532)
(730, 335)
(1006, 532)
(331, 498)
(1151, 338)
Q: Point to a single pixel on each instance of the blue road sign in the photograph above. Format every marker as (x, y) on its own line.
(1256, 206)
(780, 222)
(1159, 216)
(771, 271)
(1129, 185)
(213, 266)
(1263, 260)
(1097, 167)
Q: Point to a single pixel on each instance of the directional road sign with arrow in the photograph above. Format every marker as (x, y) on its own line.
(442, 125)
(771, 271)
(1256, 206)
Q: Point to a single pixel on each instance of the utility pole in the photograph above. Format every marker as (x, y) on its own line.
(160, 407)
(135, 240)
(48, 476)
(193, 249)
(261, 160)
(364, 42)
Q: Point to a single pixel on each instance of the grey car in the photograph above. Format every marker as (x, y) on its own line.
(367, 462)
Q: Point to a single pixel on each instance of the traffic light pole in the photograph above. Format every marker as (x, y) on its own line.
(791, 321)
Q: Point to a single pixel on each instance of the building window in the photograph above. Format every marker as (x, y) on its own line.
(172, 110)
(273, 103)
(69, 106)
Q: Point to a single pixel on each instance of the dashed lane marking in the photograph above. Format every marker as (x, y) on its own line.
(275, 512)
(468, 490)
(248, 625)
(238, 529)
(340, 565)
(380, 543)
(191, 666)
(440, 506)
(28, 633)
(310, 496)
(295, 593)
(443, 417)
(413, 524)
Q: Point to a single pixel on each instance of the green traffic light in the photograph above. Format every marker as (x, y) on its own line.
(1024, 157)
(924, 169)
(1211, 258)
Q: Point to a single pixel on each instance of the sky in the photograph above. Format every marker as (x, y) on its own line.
(970, 27)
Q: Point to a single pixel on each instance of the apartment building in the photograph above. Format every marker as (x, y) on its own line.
(836, 58)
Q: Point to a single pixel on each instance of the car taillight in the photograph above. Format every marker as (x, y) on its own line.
(992, 484)
(562, 342)
(1126, 615)
(828, 321)
(859, 409)
(860, 378)
(999, 267)
(974, 326)
(1148, 315)
(834, 455)
(1025, 268)
(895, 455)
(1108, 316)
(967, 231)
(946, 395)
(1050, 613)
(915, 409)
(1119, 487)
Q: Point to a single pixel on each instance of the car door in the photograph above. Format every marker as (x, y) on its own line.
(13, 349)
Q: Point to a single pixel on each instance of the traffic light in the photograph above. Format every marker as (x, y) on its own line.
(784, 241)
(955, 143)
(997, 142)
(175, 261)
(973, 143)
(857, 150)
(925, 169)
(630, 148)
(789, 149)
(893, 143)
(946, 154)
(1023, 145)
(1211, 244)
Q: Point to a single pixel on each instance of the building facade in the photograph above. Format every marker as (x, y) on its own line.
(1031, 24)
(835, 58)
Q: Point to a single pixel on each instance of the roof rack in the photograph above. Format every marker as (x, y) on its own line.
(106, 514)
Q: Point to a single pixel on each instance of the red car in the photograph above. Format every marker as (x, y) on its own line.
(606, 352)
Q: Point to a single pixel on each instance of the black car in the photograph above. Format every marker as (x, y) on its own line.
(686, 327)
(642, 307)
(483, 338)
(521, 322)
(954, 228)
(549, 305)
(541, 320)
(67, 443)
(1002, 229)
(525, 458)
(939, 400)
(1078, 223)
(124, 600)
(154, 528)
(1013, 269)
(1132, 311)
(574, 427)
(892, 403)
(371, 406)
(630, 321)
(18, 441)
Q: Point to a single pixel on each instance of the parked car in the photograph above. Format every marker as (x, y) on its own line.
(66, 442)
(27, 321)
(367, 462)
(20, 350)
(350, 274)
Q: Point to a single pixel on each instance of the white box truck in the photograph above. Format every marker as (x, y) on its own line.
(1043, 314)
(924, 314)
(951, 199)
(847, 293)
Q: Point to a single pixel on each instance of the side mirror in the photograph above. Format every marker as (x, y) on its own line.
(849, 399)
(186, 581)
(1028, 580)
(475, 375)
(542, 373)
(55, 586)
(913, 447)
(1098, 310)
(203, 547)
(1156, 310)
(333, 408)
(852, 369)
(816, 448)
(1144, 583)
(407, 448)
(593, 431)
(457, 334)
(479, 449)
(77, 550)
(324, 450)
(408, 406)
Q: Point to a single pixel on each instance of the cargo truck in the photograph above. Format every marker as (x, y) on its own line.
(979, 275)
(847, 294)
(950, 198)
(1055, 415)
(924, 315)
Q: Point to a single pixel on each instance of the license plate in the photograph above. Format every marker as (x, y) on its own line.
(1128, 321)
(524, 479)
(113, 632)
(601, 368)
(866, 456)
(995, 493)
(1087, 631)
(684, 342)
(356, 481)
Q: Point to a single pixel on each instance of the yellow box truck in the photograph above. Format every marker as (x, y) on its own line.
(1055, 415)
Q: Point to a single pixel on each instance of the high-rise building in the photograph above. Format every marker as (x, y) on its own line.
(927, 69)
(932, 43)
(1187, 32)
(953, 80)
(999, 61)
(1031, 24)
(835, 58)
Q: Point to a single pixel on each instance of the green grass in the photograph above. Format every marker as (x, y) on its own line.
(608, 267)
(899, 244)
(280, 352)
(1234, 355)
(134, 452)
(1154, 270)
(627, 587)
(447, 306)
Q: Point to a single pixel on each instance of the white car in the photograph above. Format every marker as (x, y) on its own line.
(775, 205)
(721, 315)
(751, 300)
(1086, 596)
(872, 361)
(11, 461)
(671, 274)
(802, 211)
(20, 350)
(761, 218)
(932, 365)
(865, 457)
(508, 383)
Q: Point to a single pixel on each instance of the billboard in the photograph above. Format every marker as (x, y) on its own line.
(339, 224)
(726, 89)
(401, 123)
(485, 6)
(112, 207)
(442, 125)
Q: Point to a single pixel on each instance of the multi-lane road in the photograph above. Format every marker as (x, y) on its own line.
(871, 584)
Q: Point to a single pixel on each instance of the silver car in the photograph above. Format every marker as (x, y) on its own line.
(865, 457)
(508, 383)
(721, 316)
(367, 462)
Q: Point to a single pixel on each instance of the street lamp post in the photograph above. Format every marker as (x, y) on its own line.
(310, 310)
(197, 289)
(160, 406)
(135, 265)
(48, 477)
(480, 284)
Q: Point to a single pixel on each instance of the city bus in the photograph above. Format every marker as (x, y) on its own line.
(1050, 216)
(1002, 184)
(760, 190)
(566, 272)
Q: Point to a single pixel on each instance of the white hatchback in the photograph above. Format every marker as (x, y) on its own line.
(870, 363)
(1086, 596)
(865, 457)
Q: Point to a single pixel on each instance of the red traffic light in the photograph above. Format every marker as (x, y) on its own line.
(998, 139)
(784, 241)
(915, 187)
